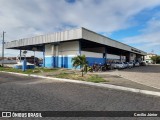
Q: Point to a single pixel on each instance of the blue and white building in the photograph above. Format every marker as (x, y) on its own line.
(60, 47)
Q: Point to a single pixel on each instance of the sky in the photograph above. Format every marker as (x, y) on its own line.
(133, 22)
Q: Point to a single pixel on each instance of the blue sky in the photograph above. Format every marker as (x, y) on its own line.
(134, 22)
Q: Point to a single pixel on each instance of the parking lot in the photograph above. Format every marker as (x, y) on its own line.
(147, 75)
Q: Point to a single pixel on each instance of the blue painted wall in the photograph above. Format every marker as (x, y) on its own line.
(92, 60)
(66, 62)
(49, 62)
(61, 62)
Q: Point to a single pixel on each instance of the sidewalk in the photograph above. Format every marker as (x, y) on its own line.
(119, 81)
(146, 75)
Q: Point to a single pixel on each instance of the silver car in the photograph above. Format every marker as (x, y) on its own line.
(119, 65)
(126, 64)
(136, 64)
(130, 64)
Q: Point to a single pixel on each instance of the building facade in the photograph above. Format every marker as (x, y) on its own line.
(148, 57)
(59, 48)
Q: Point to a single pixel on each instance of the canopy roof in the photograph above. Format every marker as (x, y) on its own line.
(68, 35)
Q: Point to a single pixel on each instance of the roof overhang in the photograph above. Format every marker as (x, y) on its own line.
(69, 35)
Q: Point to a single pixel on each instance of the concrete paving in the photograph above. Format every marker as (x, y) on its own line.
(146, 75)
(120, 81)
(29, 94)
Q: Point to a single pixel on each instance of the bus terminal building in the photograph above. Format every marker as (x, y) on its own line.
(60, 47)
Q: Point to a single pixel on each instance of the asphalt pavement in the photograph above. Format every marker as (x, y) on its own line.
(22, 93)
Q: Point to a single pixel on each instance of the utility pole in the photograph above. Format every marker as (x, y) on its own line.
(3, 49)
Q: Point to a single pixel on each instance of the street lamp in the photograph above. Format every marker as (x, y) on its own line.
(3, 49)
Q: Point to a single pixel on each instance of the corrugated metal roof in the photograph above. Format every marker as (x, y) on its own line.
(79, 33)
(95, 37)
(49, 38)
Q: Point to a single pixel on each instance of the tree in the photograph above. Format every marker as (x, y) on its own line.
(80, 61)
(156, 59)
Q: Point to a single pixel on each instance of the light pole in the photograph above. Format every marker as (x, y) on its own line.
(3, 49)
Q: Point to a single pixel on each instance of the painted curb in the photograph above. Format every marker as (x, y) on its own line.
(93, 84)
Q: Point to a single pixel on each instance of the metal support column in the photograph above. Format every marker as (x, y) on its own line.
(34, 59)
(105, 55)
(3, 49)
(121, 57)
(44, 56)
(20, 56)
(79, 47)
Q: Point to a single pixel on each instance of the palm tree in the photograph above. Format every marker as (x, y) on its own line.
(80, 61)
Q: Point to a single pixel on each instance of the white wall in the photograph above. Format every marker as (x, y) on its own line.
(132, 56)
(92, 54)
(69, 48)
(65, 48)
(69, 53)
(100, 55)
(97, 49)
(111, 56)
(123, 57)
(49, 50)
(148, 56)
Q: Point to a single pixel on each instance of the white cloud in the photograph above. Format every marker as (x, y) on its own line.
(149, 39)
(25, 18)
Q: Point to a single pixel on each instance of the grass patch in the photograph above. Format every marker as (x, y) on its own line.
(89, 78)
(28, 71)
(63, 75)
(47, 69)
(59, 73)
(95, 79)
(69, 75)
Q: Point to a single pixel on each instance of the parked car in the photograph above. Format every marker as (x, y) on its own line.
(143, 63)
(130, 64)
(119, 65)
(126, 65)
(136, 64)
(113, 65)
